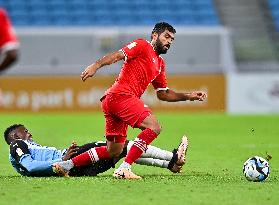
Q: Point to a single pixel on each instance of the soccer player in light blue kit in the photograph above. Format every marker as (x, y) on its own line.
(31, 159)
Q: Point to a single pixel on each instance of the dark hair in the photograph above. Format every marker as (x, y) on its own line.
(9, 130)
(161, 27)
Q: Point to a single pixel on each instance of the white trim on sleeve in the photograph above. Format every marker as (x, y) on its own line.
(126, 57)
(9, 46)
(158, 89)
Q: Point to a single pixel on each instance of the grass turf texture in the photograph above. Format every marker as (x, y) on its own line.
(219, 145)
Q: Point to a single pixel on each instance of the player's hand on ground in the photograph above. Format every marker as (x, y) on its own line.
(197, 95)
(71, 151)
(88, 72)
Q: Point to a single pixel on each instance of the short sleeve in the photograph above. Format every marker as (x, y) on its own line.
(133, 49)
(8, 39)
(160, 82)
(18, 149)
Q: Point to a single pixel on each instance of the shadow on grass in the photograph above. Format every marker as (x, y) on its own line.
(188, 176)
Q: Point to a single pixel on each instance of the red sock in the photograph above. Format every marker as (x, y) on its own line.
(140, 145)
(91, 156)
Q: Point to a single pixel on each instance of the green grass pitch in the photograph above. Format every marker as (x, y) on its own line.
(219, 144)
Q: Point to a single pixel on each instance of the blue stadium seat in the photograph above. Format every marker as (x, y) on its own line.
(41, 20)
(274, 8)
(111, 12)
(274, 3)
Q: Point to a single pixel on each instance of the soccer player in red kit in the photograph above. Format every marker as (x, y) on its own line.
(121, 103)
(8, 43)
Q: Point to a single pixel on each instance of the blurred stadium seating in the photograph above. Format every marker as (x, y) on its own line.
(274, 7)
(110, 12)
(233, 39)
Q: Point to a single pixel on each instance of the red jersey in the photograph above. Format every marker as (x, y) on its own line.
(142, 66)
(8, 40)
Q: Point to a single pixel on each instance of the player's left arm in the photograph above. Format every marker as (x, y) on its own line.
(172, 96)
(166, 94)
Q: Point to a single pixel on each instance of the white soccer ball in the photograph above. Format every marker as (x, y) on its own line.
(256, 169)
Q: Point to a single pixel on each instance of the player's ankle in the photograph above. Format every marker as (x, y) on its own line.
(67, 165)
(125, 165)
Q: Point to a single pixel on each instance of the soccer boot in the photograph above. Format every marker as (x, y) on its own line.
(181, 151)
(175, 168)
(59, 170)
(179, 158)
(124, 173)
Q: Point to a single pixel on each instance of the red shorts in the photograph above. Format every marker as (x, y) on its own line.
(121, 111)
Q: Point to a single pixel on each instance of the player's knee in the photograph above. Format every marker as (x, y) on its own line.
(114, 152)
(152, 123)
(156, 127)
(115, 145)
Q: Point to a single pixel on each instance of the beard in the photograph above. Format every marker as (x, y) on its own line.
(159, 47)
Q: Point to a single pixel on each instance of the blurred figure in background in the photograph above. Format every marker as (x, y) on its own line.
(9, 44)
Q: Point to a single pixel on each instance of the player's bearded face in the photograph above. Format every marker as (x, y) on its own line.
(163, 42)
(160, 48)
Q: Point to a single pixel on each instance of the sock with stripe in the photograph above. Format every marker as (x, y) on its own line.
(140, 145)
(153, 152)
(91, 156)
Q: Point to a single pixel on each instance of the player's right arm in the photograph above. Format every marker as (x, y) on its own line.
(20, 152)
(9, 44)
(71, 151)
(128, 52)
(106, 60)
(9, 58)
